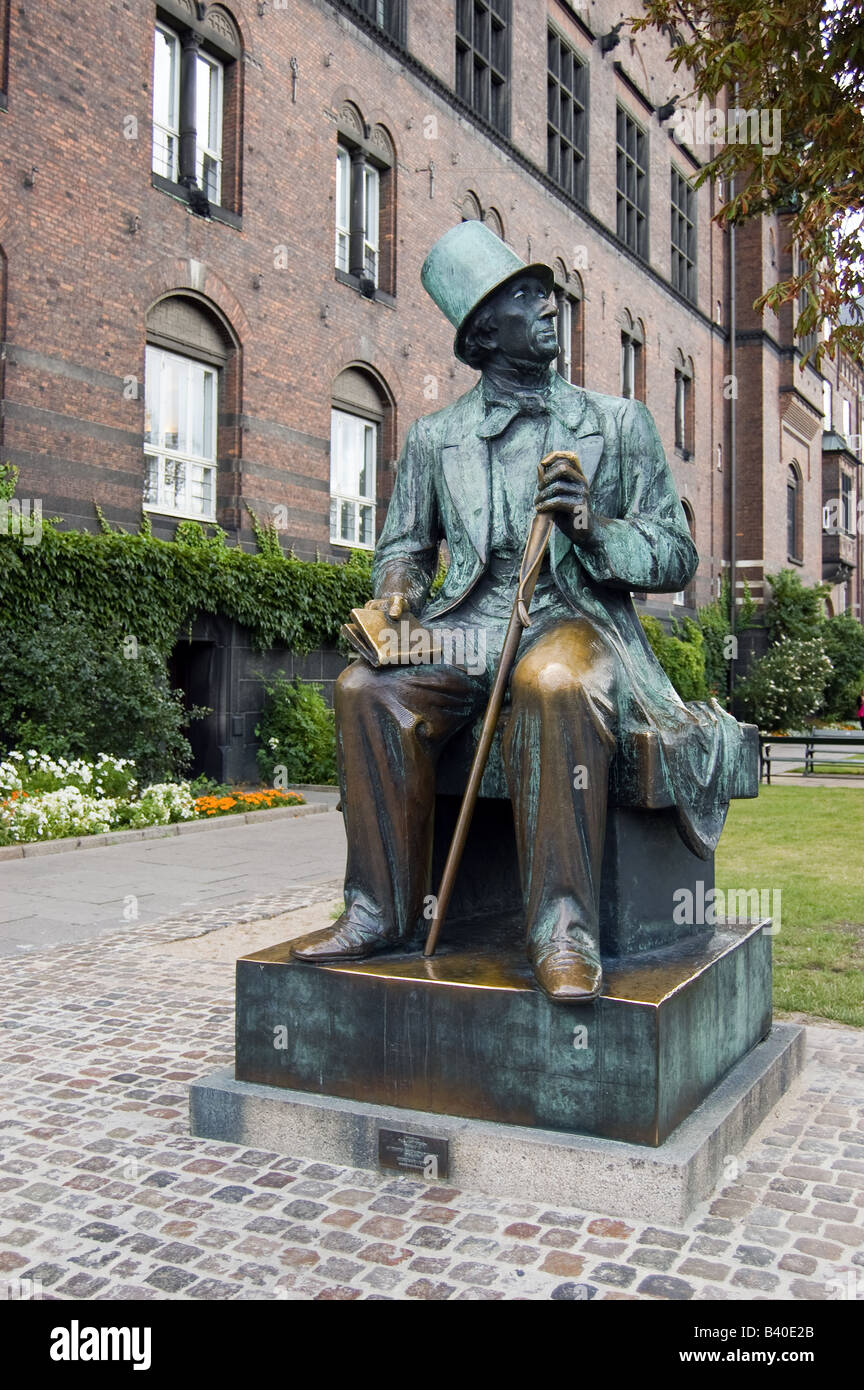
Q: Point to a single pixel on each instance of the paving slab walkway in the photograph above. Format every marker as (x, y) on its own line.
(105, 1195)
(92, 892)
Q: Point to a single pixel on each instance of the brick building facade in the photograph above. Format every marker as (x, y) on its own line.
(213, 222)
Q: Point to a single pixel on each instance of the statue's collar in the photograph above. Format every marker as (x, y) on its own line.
(498, 407)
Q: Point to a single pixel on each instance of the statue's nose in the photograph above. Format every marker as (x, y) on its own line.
(549, 311)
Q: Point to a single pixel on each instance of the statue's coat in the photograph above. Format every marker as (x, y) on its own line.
(443, 492)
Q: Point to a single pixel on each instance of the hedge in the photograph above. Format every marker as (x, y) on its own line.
(154, 589)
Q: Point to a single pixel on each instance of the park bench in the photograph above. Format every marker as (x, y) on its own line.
(825, 740)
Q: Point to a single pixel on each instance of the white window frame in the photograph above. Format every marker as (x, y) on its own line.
(847, 505)
(680, 410)
(208, 150)
(371, 220)
(347, 501)
(345, 175)
(167, 159)
(343, 208)
(565, 335)
(199, 469)
(846, 416)
(827, 407)
(628, 366)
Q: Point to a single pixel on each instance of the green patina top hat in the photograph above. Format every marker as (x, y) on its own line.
(466, 266)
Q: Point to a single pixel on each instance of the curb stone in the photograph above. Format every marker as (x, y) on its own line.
(35, 848)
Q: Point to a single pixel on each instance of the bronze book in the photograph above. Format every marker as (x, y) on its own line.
(385, 641)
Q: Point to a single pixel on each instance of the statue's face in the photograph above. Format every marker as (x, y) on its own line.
(524, 321)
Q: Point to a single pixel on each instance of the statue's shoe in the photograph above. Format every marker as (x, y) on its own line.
(566, 974)
(345, 940)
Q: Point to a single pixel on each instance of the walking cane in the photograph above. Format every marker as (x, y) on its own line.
(535, 549)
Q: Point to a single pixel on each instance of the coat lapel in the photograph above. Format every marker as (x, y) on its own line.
(572, 429)
(466, 469)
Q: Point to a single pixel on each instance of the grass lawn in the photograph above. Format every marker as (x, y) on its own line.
(808, 842)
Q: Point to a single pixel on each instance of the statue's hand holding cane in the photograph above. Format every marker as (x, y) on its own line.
(563, 490)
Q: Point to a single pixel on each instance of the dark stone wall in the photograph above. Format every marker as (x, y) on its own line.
(216, 665)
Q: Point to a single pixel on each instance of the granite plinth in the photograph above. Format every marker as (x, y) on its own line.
(468, 1033)
(659, 1185)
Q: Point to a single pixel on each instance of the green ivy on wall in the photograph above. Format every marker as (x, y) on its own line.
(154, 589)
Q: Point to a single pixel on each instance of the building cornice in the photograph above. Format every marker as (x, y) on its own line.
(577, 19)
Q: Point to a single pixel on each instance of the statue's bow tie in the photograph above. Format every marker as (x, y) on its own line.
(502, 410)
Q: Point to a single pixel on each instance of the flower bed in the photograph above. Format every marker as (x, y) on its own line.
(246, 801)
(43, 798)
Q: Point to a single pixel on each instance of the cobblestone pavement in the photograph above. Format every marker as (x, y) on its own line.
(105, 1195)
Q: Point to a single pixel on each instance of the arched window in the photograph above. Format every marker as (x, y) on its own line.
(470, 208)
(687, 597)
(191, 375)
(197, 104)
(632, 357)
(570, 324)
(361, 447)
(494, 222)
(685, 414)
(365, 205)
(794, 512)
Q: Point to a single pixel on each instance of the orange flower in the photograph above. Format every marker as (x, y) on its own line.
(267, 797)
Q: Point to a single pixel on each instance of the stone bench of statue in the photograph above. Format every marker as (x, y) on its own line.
(645, 859)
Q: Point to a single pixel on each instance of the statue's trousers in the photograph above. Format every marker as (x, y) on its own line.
(392, 725)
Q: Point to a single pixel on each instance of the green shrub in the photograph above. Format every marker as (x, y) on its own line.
(786, 687)
(75, 691)
(681, 653)
(297, 733)
(208, 786)
(843, 637)
(793, 610)
(716, 628)
(795, 614)
(67, 685)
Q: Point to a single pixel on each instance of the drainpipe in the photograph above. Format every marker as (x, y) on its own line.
(733, 438)
(188, 159)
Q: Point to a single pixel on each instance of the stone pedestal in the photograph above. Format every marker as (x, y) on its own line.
(468, 1033)
(659, 1185)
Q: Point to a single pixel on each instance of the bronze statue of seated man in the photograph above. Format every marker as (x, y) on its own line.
(584, 674)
